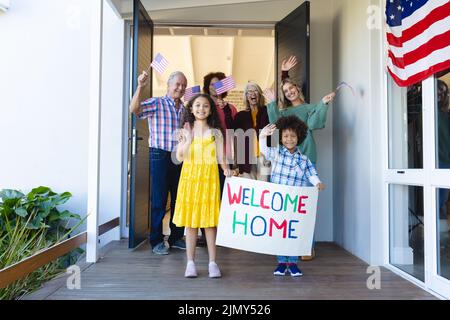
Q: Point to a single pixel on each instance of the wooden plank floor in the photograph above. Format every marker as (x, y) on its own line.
(334, 274)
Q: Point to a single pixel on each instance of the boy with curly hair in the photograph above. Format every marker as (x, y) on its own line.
(289, 167)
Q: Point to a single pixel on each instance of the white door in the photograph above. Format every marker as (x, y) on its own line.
(438, 179)
(418, 182)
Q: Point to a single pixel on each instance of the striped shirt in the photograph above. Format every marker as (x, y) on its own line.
(291, 169)
(163, 120)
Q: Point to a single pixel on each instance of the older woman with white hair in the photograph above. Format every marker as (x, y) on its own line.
(247, 124)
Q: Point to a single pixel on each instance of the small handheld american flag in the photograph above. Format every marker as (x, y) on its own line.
(225, 85)
(344, 84)
(190, 92)
(160, 63)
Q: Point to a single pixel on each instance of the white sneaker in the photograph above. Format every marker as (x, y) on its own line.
(214, 271)
(191, 271)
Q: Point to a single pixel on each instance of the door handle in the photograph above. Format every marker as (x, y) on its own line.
(134, 138)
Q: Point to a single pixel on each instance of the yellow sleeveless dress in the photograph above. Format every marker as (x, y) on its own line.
(198, 195)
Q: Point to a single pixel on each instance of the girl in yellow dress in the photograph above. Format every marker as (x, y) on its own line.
(198, 196)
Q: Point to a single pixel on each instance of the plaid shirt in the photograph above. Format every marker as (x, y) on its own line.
(163, 120)
(291, 169)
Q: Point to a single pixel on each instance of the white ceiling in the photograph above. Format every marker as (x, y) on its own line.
(211, 11)
(235, 37)
(245, 58)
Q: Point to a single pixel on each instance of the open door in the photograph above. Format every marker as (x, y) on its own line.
(292, 38)
(139, 201)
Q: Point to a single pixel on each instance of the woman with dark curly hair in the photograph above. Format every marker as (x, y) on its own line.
(226, 111)
(289, 167)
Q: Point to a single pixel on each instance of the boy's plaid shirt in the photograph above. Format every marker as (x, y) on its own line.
(291, 169)
(163, 120)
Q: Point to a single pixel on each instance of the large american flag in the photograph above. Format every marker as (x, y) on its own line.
(190, 92)
(418, 37)
(160, 63)
(224, 85)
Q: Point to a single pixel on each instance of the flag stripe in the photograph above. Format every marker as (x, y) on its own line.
(438, 42)
(160, 63)
(421, 65)
(436, 29)
(191, 92)
(409, 33)
(225, 85)
(421, 75)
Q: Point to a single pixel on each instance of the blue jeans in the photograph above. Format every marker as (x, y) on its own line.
(164, 177)
(287, 259)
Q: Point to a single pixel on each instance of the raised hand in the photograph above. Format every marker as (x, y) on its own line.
(220, 103)
(289, 63)
(183, 136)
(228, 173)
(321, 186)
(267, 130)
(329, 97)
(269, 95)
(143, 79)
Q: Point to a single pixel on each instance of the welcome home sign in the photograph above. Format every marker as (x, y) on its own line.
(267, 218)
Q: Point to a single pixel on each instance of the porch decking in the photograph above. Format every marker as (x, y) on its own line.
(125, 274)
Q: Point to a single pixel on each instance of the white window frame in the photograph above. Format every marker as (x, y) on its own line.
(429, 178)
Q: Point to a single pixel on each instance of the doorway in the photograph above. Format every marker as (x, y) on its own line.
(290, 36)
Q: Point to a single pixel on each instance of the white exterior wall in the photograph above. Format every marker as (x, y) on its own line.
(358, 153)
(112, 123)
(321, 84)
(44, 101)
(44, 81)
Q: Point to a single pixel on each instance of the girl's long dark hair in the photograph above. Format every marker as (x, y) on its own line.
(212, 120)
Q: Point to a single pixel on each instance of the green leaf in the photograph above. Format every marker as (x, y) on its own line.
(67, 214)
(40, 190)
(54, 216)
(6, 210)
(46, 206)
(63, 198)
(10, 203)
(32, 226)
(21, 212)
(6, 194)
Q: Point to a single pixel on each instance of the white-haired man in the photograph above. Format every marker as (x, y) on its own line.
(164, 115)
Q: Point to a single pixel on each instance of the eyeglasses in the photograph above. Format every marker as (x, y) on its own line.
(250, 92)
